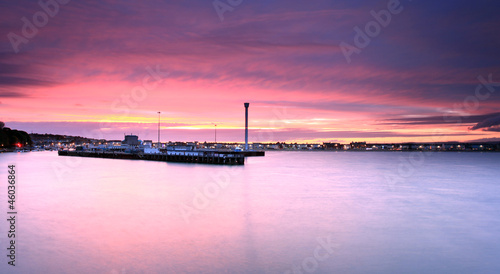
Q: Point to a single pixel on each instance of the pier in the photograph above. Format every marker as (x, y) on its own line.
(201, 157)
(133, 149)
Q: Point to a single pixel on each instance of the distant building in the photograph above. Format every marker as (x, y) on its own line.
(131, 140)
(358, 145)
(332, 146)
(180, 147)
(113, 143)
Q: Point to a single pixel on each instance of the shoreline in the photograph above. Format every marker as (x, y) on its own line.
(306, 150)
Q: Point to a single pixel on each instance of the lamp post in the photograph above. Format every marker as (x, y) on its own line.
(159, 129)
(215, 133)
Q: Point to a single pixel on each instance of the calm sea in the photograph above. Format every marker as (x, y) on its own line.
(288, 212)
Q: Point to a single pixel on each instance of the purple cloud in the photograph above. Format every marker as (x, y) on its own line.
(489, 124)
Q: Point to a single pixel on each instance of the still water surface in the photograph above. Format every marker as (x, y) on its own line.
(288, 212)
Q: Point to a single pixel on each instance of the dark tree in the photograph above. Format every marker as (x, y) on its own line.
(11, 138)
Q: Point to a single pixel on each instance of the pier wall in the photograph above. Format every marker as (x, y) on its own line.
(202, 157)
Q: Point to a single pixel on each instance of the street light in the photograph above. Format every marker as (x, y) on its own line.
(215, 132)
(159, 129)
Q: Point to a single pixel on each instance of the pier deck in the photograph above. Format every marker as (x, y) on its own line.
(202, 157)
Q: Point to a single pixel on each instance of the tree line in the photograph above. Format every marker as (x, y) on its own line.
(13, 138)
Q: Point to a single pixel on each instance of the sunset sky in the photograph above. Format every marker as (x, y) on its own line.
(104, 68)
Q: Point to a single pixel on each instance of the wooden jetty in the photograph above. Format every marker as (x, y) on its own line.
(202, 157)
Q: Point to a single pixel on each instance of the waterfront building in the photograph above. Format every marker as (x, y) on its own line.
(131, 140)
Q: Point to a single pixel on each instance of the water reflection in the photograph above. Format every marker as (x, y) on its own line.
(107, 216)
